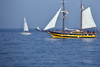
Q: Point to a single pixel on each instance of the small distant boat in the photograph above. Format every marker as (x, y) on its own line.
(86, 21)
(37, 28)
(26, 30)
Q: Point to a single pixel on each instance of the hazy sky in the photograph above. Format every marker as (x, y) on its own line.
(40, 12)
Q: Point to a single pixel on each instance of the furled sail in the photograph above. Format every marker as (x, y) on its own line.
(25, 25)
(87, 19)
(52, 23)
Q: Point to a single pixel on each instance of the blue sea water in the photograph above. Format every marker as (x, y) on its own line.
(41, 50)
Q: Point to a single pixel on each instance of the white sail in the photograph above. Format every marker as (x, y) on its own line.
(53, 21)
(87, 19)
(25, 25)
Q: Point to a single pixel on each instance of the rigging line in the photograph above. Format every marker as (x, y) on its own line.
(70, 7)
(70, 24)
(73, 4)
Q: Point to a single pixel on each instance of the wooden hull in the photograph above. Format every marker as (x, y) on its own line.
(72, 35)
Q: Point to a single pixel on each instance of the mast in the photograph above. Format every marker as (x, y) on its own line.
(64, 14)
(81, 15)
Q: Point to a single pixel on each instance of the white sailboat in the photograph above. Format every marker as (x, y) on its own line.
(86, 22)
(26, 30)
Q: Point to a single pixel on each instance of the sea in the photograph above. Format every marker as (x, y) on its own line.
(41, 50)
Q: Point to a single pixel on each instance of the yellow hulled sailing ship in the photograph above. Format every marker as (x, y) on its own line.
(86, 22)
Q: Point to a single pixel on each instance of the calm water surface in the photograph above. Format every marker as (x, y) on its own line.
(41, 50)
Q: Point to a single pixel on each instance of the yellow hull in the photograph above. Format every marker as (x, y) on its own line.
(73, 35)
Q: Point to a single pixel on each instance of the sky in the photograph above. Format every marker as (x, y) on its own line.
(38, 13)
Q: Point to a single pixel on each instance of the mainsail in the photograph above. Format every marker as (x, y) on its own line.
(87, 19)
(25, 25)
(53, 21)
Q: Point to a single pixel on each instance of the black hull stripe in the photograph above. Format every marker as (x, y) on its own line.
(71, 33)
(73, 36)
